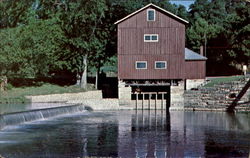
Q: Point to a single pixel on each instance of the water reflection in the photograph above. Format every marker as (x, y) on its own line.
(131, 134)
(149, 132)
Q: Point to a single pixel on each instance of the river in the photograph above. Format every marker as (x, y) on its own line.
(130, 134)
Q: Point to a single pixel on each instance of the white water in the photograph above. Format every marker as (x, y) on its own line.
(33, 115)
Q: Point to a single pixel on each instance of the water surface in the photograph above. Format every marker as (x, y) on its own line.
(130, 134)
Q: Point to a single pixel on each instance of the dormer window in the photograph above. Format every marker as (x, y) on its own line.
(150, 15)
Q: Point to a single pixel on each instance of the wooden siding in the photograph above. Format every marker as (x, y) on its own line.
(127, 70)
(170, 41)
(170, 46)
(139, 20)
(195, 69)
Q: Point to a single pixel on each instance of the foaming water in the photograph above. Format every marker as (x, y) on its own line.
(131, 134)
(11, 119)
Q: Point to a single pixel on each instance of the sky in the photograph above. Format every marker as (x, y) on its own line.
(186, 3)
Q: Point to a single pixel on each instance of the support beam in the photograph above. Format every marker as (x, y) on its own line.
(162, 98)
(149, 97)
(136, 101)
(155, 100)
(142, 101)
(231, 107)
(168, 99)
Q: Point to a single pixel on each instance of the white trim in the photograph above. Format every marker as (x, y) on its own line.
(154, 14)
(167, 12)
(141, 62)
(151, 37)
(161, 62)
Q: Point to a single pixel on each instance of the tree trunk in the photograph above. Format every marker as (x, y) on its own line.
(78, 80)
(84, 73)
(3, 83)
(97, 77)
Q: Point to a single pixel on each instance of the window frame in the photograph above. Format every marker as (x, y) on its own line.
(146, 63)
(151, 38)
(148, 14)
(161, 62)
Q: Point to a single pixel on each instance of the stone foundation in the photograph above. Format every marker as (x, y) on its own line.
(124, 94)
(194, 83)
(177, 99)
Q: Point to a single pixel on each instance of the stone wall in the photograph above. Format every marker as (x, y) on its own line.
(65, 97)
(194, 83)
(124, 94)
(217, 97)
(177, 99)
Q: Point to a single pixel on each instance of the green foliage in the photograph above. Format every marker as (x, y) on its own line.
(238, 31)
(201, 31)
(223, 26)
(30, 50)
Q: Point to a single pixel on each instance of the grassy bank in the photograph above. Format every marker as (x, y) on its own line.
(17, 95)
(218, 80)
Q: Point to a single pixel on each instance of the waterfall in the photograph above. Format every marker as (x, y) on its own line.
(39, 114)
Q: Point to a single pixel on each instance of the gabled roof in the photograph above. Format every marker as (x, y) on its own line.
(155, 6)
(191, 55)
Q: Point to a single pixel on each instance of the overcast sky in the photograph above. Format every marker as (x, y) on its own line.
(186, 3)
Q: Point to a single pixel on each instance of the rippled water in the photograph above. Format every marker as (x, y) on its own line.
(130, 134)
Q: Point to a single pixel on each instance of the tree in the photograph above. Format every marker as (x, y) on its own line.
(80, 25)
(30, 50)
(200, 32)
(238, 30)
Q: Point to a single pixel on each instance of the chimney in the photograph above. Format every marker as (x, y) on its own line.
(201, 51)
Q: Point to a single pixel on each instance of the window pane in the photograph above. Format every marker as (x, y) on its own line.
(154, 38)
(140, 65)
(160, 65)
(151, 15)
(147, 38)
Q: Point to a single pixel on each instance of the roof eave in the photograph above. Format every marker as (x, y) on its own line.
(195, 59)
(150, 4)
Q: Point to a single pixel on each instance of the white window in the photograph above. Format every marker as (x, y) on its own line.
(160, 65)
(141, 64)
(150, 15)
(150, 37)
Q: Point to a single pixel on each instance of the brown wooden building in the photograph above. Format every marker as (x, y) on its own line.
(155, 48)
(151, 49)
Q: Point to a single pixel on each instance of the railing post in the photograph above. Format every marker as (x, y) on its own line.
(155, 100)
(149, 95)
(142, 100)
(162, 98)
(136, 100)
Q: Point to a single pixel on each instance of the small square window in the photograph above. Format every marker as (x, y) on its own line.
(151, 15)
(160, 65)
(141, 65)
(154, 38)
(147, 38)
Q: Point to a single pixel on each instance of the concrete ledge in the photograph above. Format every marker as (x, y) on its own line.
(65, 97)
(98, 104)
